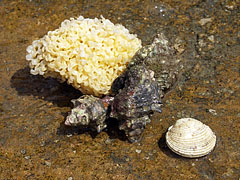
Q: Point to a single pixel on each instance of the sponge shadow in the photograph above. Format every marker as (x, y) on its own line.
(48, 89)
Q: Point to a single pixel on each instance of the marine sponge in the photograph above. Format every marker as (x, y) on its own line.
(87, 53)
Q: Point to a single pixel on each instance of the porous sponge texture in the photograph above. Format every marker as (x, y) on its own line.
(87, 53)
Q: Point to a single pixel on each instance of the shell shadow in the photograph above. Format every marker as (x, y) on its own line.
(164, 148)
(48, 89)
(113, 131)
(72, 130)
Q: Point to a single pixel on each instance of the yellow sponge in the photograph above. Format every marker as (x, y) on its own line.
(87, 53)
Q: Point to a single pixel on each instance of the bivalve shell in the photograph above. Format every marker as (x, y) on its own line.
(190, 138)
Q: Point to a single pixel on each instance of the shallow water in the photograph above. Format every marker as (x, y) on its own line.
(35, 144)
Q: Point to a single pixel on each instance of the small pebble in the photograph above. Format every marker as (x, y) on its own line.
(70, 178)
(138, 151)
(48, 163)
(213, 112)
(23, 151)
(211, 38)
(27, 157)
(204, 21)
(69, 135)
(42, 143)
(147, 157)
(229, 7)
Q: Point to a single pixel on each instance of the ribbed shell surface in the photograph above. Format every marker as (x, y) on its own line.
(191, 138)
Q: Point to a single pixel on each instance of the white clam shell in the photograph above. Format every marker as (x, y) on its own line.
(190, 138)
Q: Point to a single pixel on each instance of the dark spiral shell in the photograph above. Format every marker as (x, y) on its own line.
(137, 99)
(162, 58)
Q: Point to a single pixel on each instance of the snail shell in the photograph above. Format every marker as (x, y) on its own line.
(190, 138)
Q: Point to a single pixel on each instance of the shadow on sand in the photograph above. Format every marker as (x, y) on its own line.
(48, 89)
